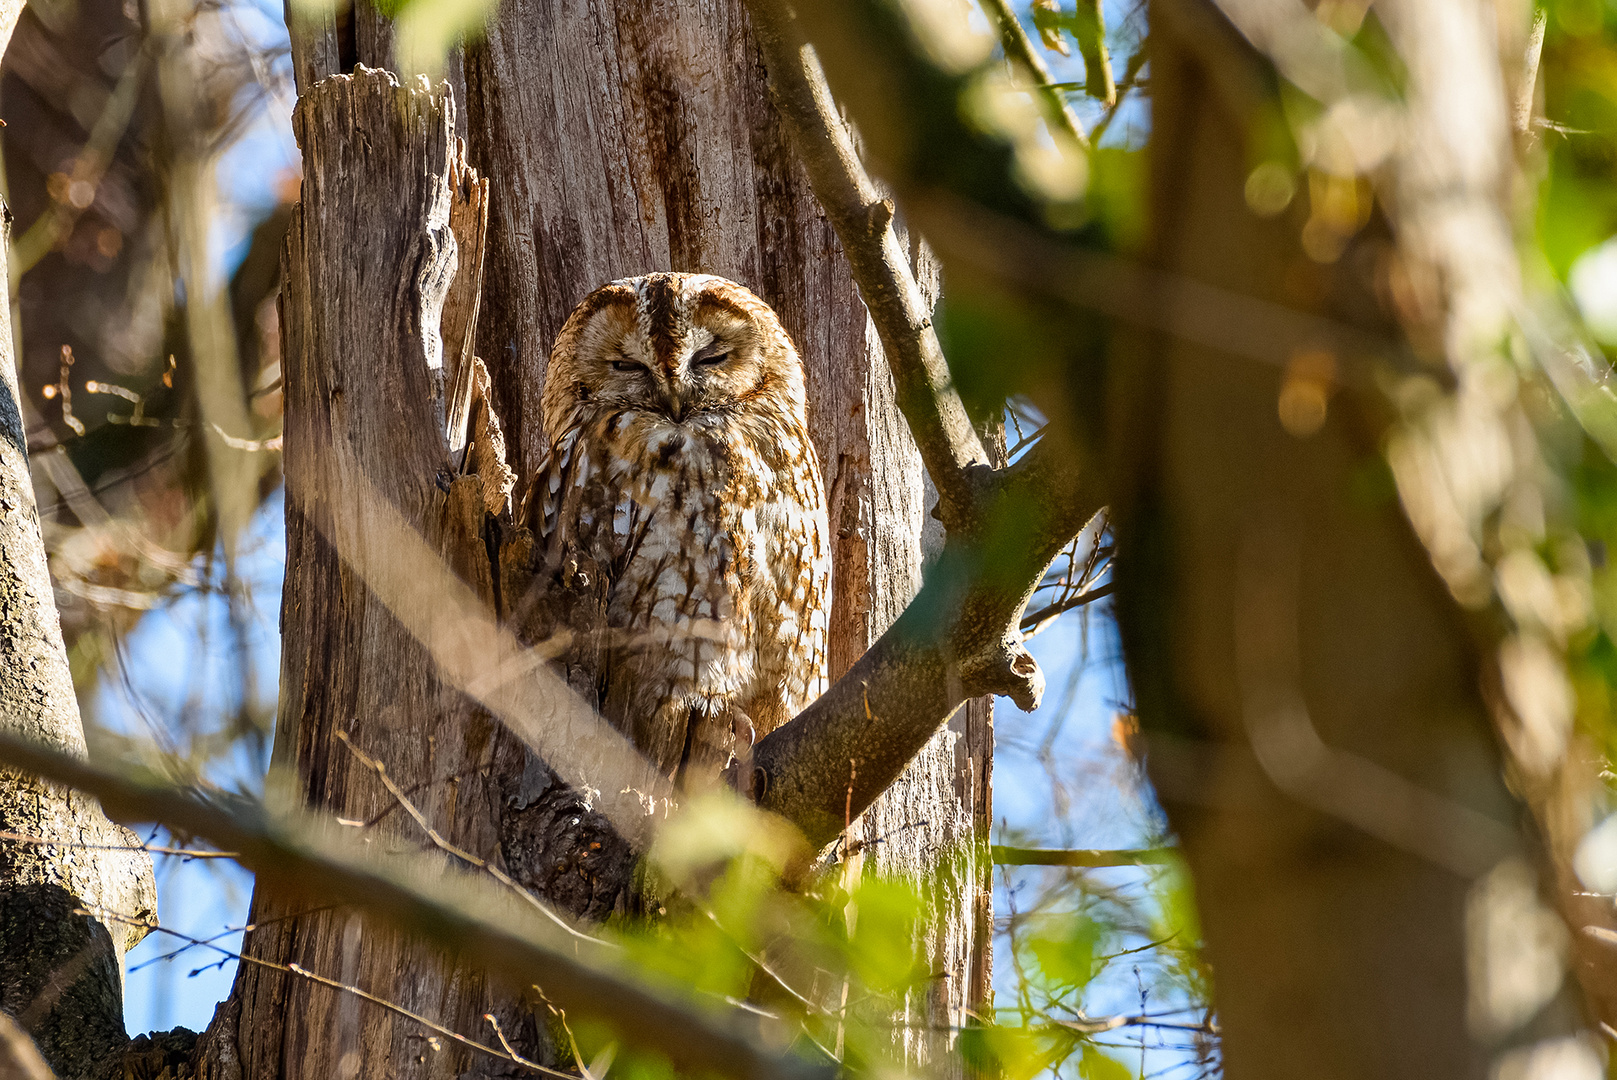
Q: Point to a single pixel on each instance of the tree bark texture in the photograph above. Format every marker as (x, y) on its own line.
(61, 971)
(631, 137)
(615, 140)
(1310, 690)
(367, 269)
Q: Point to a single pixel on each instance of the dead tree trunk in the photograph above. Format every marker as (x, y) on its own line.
(614, 141)
(61, 971)
(365, 426)
(656, 147)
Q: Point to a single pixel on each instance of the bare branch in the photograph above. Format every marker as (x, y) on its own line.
(1020, 856)
(1035, 622)
(949, 444)
(1131, 81)
(958, 639)
(1112, 1023)
(342, 987)
(297, 852)
(1020, 51)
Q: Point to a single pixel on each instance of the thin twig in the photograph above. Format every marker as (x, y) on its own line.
(1036, 622)
(1022, 982)
(768, 972)
(190, 943)
(1025, 441)
(347, 988)
(461, 853)
(518, 1058)
(1131, 81)
(1113, 1023)
(1020, 52)
(1083, 857)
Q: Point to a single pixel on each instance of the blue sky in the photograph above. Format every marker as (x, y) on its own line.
(179, 672)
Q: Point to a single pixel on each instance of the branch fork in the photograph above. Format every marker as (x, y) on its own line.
(960, 637)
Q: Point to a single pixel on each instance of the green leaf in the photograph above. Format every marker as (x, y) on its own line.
(1065, 946)
(1095, 1065)
(1176, 897)
(1117, 187)
(1015, 1053)
(883, 949)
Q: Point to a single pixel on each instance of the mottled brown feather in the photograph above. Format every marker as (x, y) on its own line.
(697, 486)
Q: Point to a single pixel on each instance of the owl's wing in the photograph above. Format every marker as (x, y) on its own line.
(580, 506)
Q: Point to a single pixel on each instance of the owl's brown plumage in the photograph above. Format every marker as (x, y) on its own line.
(680, 462)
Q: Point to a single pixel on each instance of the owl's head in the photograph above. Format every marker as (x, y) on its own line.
(689, 348)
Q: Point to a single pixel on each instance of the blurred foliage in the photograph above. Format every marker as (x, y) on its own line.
(827, 969)
(1572, 154)
(104, 172)
(1577, 202)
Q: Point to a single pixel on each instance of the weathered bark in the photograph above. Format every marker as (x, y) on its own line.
(365, 414)
(61, 973)
(615, 142)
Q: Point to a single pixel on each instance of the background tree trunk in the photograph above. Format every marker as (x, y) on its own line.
(616, 140)
(61, 973)
(1311, 690)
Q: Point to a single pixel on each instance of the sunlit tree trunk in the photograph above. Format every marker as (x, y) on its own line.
(614, 140)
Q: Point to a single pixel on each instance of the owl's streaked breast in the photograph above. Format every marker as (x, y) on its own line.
(708, 511)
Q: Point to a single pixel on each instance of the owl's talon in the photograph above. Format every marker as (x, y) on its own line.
(754, 785)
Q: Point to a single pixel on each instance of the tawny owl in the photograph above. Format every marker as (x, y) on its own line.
(680, 463)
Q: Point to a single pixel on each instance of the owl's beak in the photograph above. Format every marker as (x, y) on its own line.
(677, 406)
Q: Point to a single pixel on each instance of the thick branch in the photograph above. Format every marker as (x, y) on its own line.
(949, 445)
(304, 856)
(957, 639)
